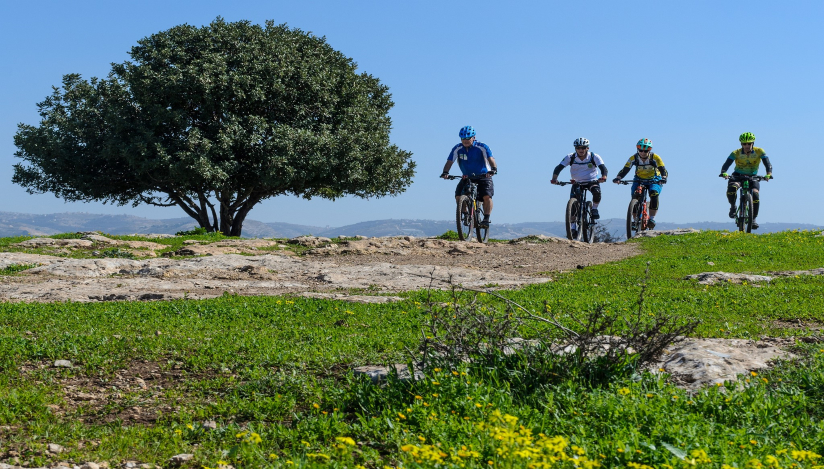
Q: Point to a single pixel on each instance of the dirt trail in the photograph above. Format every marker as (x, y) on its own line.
(370, 266)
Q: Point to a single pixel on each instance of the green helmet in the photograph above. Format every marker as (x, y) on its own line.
(747, 137)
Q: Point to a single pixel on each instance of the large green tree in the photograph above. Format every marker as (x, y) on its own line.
(214, 120)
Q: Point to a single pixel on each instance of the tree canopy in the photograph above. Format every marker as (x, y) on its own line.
(214, 120)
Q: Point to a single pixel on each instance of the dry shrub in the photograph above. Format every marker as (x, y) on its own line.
(483, 328)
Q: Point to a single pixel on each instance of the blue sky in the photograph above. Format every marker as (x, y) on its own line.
(529, 76)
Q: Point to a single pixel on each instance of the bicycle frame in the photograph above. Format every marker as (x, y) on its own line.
(583, 220)
(639, 222)
(744, 214)
(465, 226)
(642, 196)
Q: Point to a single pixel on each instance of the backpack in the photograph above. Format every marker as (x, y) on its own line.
(651, 160)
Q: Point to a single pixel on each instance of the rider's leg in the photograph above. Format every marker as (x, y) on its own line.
(487, 206)
(654, 193)
(596, 195)
(459, 190)
(574, 194)
(732, 193)
(755, 203)
(595, 189)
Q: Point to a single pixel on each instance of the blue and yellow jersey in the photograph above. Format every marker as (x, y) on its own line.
(747, 163)
(644, 169)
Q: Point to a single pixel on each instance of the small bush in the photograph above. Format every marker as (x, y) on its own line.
(117, 253)
(16, 268)
(449, 236)
(199, 231)
(484, 329)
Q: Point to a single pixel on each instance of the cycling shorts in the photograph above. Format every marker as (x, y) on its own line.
(652, 186)
(485, 187)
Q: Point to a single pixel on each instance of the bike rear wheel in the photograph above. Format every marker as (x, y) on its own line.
(745, 215)
(633, 218)
(465, 218)
(572, 217)
(481, 232)
(588, 224)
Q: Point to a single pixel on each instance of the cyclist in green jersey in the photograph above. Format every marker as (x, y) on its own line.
(747, 159)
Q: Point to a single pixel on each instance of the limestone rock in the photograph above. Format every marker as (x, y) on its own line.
(54, 448)
(381, 373)
(352, 298)
(712, 278)
(179, 459)
(675, 232)
(700, 362)
(309, 240)
(62, 364)
(51, 242)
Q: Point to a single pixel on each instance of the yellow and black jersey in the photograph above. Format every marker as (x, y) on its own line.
(644, 169)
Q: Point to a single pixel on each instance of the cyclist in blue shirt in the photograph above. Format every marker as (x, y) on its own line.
(476, 162)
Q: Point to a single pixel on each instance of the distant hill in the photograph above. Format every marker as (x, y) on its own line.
(19, 224)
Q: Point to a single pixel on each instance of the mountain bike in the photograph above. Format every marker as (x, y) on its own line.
(743, 216)
(637, 214)
(469, 213)
(582, 218)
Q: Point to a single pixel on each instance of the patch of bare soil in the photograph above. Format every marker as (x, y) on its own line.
(136, 395)
(377, 266)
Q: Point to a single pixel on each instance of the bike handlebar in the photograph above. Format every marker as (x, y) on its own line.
(751, 178)
(662, 181)
(585, 184)
(468, 176)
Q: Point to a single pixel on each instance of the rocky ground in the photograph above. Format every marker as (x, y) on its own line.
(371, 266)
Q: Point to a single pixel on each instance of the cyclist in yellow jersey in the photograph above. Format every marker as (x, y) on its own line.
(649, 170)
(747, 159)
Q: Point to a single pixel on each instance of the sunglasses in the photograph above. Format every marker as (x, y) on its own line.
(644, 151)
(582, 148)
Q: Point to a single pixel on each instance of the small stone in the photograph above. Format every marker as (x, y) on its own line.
(140, 383)
(129, 465)
(710, 263)
(62, 364)
(210, 425)
(158, 333)
(54, 448)
(179, 459)
(90, 465)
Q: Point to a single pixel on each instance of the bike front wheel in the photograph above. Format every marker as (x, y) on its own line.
(745, 213)
(588, 224)
(465, 218)
(572, 217)
(633, 218)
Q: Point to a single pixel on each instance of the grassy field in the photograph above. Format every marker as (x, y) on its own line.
(272, 373)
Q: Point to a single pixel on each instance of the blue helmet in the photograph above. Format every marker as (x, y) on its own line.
(466, 132)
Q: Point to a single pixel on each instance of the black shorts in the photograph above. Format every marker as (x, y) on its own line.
(485, 187)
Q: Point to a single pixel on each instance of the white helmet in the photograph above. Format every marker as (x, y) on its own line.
(581, 142)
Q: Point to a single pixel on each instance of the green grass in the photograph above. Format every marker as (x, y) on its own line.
(273, 373)
(16, 268)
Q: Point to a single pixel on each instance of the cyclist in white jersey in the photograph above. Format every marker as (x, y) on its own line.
(583, 167)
